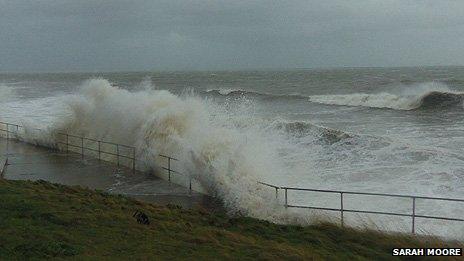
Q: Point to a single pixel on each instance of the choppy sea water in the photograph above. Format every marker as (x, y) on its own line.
(387, 130)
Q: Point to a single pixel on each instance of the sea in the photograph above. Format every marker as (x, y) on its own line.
(377, 130)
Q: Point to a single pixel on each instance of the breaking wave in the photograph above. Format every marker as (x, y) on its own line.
(424, 96)
(441, 99)
(226, 150)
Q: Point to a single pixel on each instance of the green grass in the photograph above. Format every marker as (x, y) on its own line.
(40, 220)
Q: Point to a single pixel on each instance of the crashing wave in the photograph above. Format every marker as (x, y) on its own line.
(227, 159)
(426, 96)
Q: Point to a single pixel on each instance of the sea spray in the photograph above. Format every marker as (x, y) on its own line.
(226, 160)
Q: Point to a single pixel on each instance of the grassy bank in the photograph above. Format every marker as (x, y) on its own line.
(43, 220)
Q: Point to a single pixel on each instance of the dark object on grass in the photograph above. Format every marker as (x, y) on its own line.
(141, 217)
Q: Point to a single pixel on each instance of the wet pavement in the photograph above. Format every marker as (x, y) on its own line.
(29, 162)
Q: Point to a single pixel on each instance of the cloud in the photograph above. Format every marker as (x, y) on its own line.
(52, 35)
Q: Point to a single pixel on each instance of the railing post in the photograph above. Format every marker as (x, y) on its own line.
(169, 169)
(16, 132)
(82, 146)
(341, 209)
(7, 138)
(133, 160)
(117, 153)
(67, 143)
(190, 184)
(99, 150)
(277, 192)
(286, 198)
(413, 215)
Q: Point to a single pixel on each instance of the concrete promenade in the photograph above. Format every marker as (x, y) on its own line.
(29, 162)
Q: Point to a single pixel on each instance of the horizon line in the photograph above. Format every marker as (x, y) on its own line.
(227, 70)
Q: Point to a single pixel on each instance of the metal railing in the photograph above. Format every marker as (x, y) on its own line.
(98, 148)
(81, 147)
(13, 133)
(413, 215)
(170, 170)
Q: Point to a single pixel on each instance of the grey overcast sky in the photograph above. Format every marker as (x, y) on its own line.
(116, 35)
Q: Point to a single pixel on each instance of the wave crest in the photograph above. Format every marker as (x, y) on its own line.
(426, 96)
(441, 99)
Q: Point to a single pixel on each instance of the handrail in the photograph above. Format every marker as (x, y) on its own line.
(168, 157)
(269, 185)
(99, 150)
(95, 140)
(361, 193)
(82, 144)
(342, 210)
(372, 194)
(66, 134)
